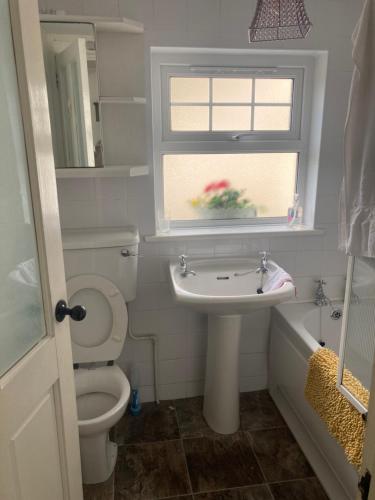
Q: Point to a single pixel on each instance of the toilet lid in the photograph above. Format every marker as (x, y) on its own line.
(101, 335)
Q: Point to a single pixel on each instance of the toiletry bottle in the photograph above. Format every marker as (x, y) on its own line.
(294, 212)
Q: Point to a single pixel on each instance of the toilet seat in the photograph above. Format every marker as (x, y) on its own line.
(107, 380)
(97, 338)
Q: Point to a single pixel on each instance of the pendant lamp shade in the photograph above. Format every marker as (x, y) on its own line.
(279, 20)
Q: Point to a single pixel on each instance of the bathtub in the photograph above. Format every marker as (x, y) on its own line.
(296, 330)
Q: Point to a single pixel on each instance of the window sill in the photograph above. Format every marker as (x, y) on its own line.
(233, 232)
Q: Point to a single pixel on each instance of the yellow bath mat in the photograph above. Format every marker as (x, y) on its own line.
(343, 420)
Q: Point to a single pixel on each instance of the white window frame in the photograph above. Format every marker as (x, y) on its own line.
(168, 71)
(166, 62)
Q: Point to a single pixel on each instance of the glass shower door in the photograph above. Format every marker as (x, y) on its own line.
(358, 336)
(21, 306)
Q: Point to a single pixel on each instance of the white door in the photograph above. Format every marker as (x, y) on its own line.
(73, 81)
(39, 445)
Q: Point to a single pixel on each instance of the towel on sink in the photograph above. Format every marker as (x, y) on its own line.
(276, 278)
(343, 420)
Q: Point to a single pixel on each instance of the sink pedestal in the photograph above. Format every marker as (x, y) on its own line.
(221, 407)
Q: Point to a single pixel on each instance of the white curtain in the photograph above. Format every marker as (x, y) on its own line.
(357, 203)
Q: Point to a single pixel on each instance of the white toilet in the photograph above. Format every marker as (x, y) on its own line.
(101, 267)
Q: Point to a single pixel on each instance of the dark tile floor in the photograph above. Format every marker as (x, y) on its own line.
(169, 452)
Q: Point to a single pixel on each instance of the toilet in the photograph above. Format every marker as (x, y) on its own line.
(101, 268)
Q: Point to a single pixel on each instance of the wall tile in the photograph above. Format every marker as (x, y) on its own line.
(172, 391)
(203, 16)
(283, 243)
(195, 369)
(146, 393)
(253, 365)
(76, 190)
(194, 389)
(334, 263)
(309, 263)
(287, 260)
(197, 343)
(172, 346)
(76, 214)
(250, 384)
(109, 8)
(173, 370)
(69, 6)
(305, 288)
(170, 15)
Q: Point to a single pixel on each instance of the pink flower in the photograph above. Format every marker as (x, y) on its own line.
(210, 187)
(222, 184)
(215, 186)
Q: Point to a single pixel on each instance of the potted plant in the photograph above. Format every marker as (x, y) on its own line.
(220, 200)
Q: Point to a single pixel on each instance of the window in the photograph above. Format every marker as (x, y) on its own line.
(230, 139)
(214, 104)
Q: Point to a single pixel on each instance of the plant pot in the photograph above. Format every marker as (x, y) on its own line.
(227, 213)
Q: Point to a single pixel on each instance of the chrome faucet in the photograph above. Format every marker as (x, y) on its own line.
(321, 298)
(184, 270)
(263, 268)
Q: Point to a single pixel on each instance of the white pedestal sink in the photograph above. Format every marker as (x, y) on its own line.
(225, 289)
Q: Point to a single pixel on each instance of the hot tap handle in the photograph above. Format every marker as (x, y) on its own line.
(182, 259)
(320, 282)
(264, 254)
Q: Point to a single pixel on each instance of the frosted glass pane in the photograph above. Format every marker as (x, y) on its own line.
(273, 90)
(360, 336)
(266, 180)
(232, 90)
(231, 118)
(272, 118)
(189, 90)
(21, 309)
(189, 118)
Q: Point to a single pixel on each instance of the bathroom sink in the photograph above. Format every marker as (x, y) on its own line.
(226, 286)
(225, 289)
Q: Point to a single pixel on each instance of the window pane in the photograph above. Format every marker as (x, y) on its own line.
(272, 118)
(189, 90)
(190, 118)
(215, 186)
(231, 90)
(269, 90)
(231, 118)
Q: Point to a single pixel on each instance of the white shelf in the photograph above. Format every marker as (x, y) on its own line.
(122, 100)
(114, 24)
(100, 172)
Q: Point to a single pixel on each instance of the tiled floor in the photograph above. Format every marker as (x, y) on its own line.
(169, 452)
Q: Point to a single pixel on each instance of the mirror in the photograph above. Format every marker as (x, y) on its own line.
(73, 93)
(358, 335)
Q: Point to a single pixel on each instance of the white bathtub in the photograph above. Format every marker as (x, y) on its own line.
(296, 330)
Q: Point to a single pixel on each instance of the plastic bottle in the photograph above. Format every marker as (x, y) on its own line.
(294, 212)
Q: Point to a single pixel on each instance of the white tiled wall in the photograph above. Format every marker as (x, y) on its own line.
(182, 333)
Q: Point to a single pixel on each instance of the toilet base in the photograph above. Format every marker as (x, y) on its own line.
(98, 457)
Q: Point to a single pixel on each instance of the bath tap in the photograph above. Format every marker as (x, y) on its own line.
(321, 298)
(184, 270)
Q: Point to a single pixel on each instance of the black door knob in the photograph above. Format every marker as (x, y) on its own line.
(77, 313)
